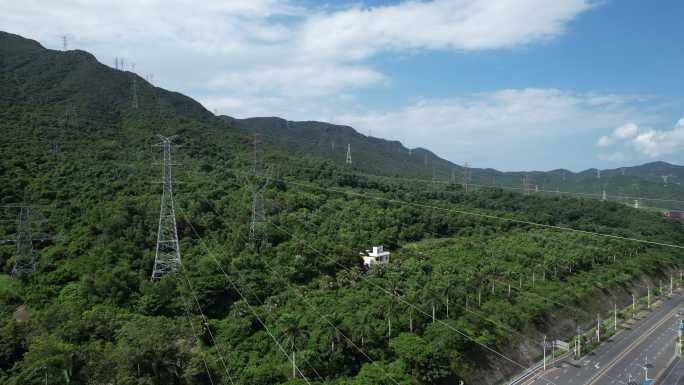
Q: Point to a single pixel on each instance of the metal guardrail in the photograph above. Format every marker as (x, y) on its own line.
(529, 372)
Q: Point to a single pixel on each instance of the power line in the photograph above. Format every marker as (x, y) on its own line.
(275, 273)
(400, 299)
(211, 335)
(237, 289)
(481, 215)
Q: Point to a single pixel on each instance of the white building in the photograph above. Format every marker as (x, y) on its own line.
(377, 256)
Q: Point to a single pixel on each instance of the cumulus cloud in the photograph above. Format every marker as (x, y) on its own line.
(646, 141)
(264, 49)
(617, 156)
(626, 131)
(487, 127)
(654, 143)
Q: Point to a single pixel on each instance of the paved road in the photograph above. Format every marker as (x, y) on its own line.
(676, 375)
(650, 341)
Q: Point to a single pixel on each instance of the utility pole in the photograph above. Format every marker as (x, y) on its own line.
(615, 317)
(598, 328)
(544, 346)
(167, 257)
(578, 344)
(680, 338)
(633, 305)
(349, 160)
(648, 296)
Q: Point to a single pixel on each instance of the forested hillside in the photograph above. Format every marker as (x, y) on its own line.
(296, 307)
(318, 140)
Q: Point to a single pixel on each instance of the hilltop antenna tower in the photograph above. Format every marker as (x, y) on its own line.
(167, 257)
(257, 226)
(349, 160)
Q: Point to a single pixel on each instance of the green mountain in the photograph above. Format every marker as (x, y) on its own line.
(77, 145)
(318, 140)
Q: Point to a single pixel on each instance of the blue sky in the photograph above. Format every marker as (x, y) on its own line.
(509, 84)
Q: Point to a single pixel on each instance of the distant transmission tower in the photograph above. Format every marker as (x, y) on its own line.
(134, 87)
(257, 227)
(349, 160)
(167, 257)
(598, 174)
(526, 185)
(55, 150)
(466, 175)
(65, 42)
(25, 260)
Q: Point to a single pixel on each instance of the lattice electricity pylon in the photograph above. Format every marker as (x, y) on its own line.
(25, 258)
(257, 226)
(167, 257)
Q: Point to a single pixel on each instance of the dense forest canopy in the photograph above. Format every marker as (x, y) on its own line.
(468, 284)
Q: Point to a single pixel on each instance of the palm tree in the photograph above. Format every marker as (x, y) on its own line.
(364, 326)
(432, 298)
(290, 331)
(332, 329)
(411, 298)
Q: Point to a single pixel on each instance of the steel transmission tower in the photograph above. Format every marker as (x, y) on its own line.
(257, 225)
(25, 260)
(167, 257)
(466, 175)
(348, 161)
(134, 89)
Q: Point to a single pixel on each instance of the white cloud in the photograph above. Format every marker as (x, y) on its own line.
(646, 141)
(626, 131)
(440, 24)
(617, 156)
(492, 125)
(654, 143)
(273, 49)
